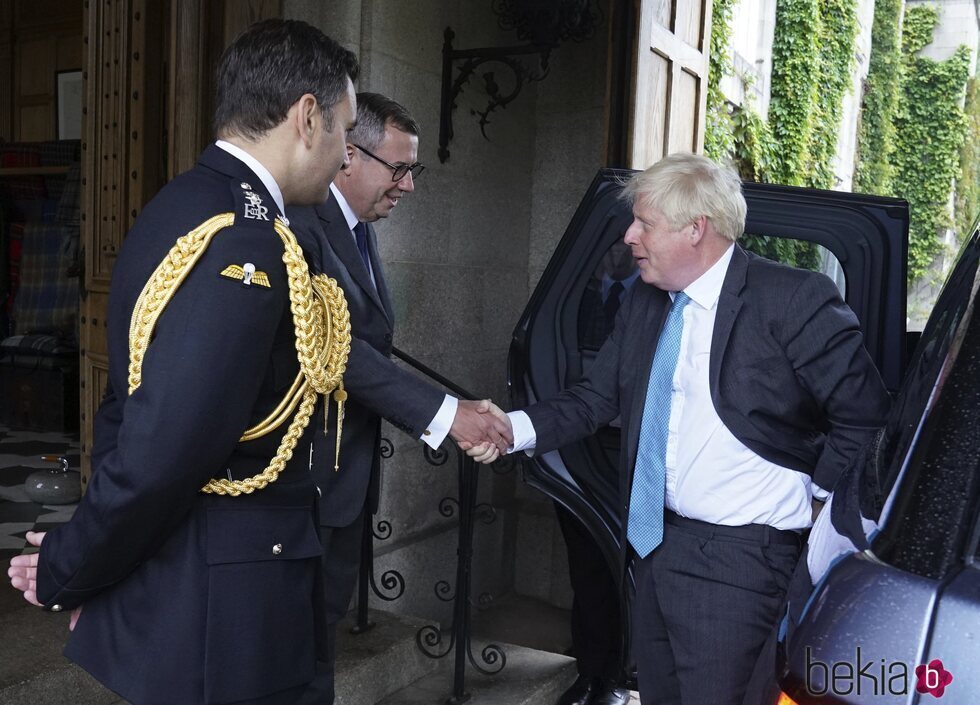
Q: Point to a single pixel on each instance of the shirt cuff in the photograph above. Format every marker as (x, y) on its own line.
(441, 423)
(524, 436)
(818, 492)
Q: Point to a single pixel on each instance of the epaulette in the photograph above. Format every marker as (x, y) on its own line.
(253, 207)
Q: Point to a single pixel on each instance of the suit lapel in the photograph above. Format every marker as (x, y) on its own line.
(729, 304)
(648, 334)
(340, 240)
(379, 277)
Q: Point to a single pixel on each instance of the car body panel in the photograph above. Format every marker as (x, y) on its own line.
(921, 483)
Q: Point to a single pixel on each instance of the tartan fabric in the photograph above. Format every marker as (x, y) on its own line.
(14, 249)
(70, 202)
(47, 299)
(46, 345)
(59, 152)
(21, 187)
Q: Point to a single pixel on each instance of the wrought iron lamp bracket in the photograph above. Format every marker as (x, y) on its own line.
(472, 60)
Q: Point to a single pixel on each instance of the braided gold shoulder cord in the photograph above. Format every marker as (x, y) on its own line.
(322, 341)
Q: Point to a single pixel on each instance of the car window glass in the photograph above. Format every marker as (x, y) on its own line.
(928, 512)
(797, 253)
(605, 291)
(617, 272)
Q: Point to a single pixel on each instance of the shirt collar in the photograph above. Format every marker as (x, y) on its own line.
(706, 289)
(260, 171)
(344, 207)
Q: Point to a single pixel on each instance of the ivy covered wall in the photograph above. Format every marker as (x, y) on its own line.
(930, 128)
(914, 139)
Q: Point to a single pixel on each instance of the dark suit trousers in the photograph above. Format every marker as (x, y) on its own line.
(341, 557)
(705, 605)
(596, 636)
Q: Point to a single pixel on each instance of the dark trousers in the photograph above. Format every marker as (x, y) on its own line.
(706, 601)
(341, 557)
(763, 688)
(596, 637)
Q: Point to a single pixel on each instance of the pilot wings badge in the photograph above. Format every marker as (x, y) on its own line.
(246, 274)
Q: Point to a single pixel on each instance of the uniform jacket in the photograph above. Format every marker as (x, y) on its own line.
(789, 375)
(193, 598)
(376, 387)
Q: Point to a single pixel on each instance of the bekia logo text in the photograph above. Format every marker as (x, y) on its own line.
(864, 676)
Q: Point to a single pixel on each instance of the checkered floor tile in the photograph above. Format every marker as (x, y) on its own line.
(20, 455)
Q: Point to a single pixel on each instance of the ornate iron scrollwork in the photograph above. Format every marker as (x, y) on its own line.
(387, 448)
(490, 655)
(428, 639)
(448, 506)
(473, 59)
(382, 531)
(391, 581)
(542, 23)
(549, 21)
(444, 591)
(435, 456)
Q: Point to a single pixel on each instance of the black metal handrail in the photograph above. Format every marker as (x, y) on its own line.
(430, 637)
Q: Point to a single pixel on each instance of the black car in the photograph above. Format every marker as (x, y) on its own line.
(899, 621)
(862, 241)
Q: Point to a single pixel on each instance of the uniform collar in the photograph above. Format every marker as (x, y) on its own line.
(260, 171)
(344, 207)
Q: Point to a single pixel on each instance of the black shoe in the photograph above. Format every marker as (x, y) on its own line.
(581, 691)
(610, 694)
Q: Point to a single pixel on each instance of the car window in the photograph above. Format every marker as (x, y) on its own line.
(797, 253)
(617, 272)
(606, 289)
(926, 469)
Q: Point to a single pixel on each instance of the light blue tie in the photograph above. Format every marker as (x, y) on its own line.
(645, 529)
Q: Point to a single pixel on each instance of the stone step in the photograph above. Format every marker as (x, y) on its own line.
(32, 669)
(370, 666)
(380, 661)
(530, 677)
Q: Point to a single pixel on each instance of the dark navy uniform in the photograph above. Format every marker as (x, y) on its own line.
(189, 597)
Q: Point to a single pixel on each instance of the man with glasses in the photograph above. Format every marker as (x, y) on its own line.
(339, 240)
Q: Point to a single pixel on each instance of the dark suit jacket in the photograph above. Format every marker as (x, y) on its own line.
(789, 374)
(376, 386)
(185, 600)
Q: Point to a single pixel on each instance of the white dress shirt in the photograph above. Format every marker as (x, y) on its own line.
(442, 422)
(711, 475)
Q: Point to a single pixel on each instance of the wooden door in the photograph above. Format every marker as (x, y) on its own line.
(148, 77)
(671, 79)
(122, 164)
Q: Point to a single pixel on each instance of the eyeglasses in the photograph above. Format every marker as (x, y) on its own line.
(399, 170)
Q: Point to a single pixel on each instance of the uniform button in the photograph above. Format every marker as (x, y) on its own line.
(246, 186)
(277, 549)
(318, 492)
(56, 608)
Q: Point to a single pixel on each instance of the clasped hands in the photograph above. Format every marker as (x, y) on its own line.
(482, 429)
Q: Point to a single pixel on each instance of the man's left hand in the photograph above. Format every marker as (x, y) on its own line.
(23, 569)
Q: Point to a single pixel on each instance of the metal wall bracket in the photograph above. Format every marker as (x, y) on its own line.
(472, 60)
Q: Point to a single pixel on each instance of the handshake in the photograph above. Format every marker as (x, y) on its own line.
(482, 429)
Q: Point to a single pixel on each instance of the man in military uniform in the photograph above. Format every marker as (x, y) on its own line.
(192, 597)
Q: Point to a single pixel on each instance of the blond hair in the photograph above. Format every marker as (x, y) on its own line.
(685, 186)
